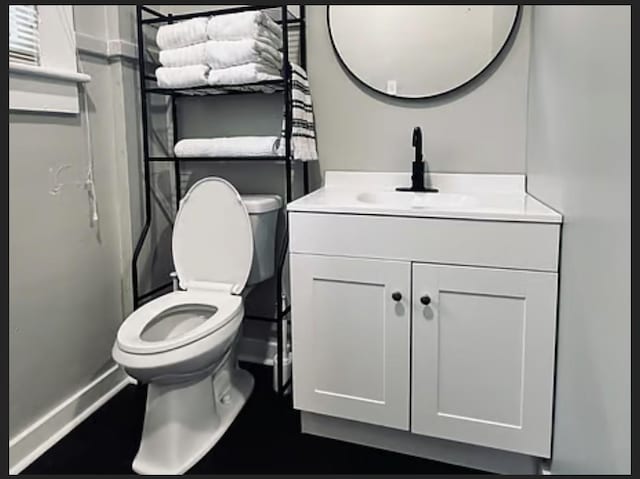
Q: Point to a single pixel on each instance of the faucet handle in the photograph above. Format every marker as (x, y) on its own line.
(417, 136)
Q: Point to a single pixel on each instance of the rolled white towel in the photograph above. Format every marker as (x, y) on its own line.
(182, 34)
(242, 74)
(238, 26)
(182, 77)
(222, 54)
(234, 146)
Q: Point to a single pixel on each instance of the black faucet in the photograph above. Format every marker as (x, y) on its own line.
(417, 176)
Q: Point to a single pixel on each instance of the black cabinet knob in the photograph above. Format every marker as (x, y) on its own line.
(396, 296)
(426, 300)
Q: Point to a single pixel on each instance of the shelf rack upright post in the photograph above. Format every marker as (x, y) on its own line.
(285, 85)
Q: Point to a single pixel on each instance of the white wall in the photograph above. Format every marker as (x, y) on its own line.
(579, 161)
(69, 280)
(478, 129)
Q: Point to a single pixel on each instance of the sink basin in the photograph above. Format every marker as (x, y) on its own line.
(464, 196)
(397, 199)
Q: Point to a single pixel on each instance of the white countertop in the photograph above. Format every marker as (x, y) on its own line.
(464, 196)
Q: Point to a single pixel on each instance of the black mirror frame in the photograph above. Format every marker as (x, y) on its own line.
(516, 20)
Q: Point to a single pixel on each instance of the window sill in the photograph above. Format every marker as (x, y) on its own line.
(46, 72)
(44, 89)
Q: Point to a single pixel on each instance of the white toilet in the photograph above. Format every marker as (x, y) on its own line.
(183, 343)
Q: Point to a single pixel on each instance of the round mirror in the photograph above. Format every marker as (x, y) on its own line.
(419, 51)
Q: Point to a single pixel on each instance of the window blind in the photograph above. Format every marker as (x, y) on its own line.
(24, 37)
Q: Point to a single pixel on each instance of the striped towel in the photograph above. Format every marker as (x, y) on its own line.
(303, 134)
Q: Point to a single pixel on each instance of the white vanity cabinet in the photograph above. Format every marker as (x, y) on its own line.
(441, 327)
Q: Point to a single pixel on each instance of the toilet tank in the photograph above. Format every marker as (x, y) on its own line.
(263, 212)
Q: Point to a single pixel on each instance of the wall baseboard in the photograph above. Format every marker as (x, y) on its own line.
(34, 441)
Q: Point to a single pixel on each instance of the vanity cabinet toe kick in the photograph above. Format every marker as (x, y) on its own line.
(440, 327)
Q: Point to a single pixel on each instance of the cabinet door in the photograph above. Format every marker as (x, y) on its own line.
(351, 338)
(483, 356)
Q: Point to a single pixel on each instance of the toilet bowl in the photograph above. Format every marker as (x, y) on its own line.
(183, 344)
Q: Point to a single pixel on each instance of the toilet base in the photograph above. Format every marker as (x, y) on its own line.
(183, 422)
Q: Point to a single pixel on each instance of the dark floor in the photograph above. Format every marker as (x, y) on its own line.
(264, 438)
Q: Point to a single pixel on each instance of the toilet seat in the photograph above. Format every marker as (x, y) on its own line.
(212, 241)
(212, 249)
(130, 339)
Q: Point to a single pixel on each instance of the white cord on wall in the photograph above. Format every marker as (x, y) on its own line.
(89, 183)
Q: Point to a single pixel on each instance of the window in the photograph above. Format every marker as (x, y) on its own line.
(24, 36)
(43, 70)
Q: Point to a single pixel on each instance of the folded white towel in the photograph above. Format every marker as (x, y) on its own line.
(179, 57)
(242, 74)
(235, 146)
(182, 77)
(182, 34)
(239, 26)
(222, 54)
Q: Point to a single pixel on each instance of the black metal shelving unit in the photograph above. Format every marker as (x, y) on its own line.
(147, 16)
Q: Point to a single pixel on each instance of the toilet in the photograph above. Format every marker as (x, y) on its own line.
(183, 344)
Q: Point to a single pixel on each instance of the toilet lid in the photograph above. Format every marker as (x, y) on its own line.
(212, 237)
